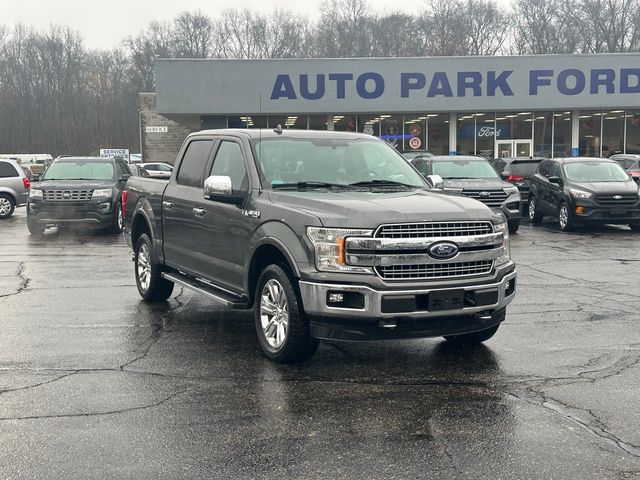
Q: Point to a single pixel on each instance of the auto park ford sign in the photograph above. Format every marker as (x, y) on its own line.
(398, 84)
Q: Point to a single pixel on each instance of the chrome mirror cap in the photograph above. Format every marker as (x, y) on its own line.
(436, 181)
(217, 185)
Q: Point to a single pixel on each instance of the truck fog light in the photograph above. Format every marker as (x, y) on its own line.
(353, 300)
(336, 297)
(510, 288)
(579, 210)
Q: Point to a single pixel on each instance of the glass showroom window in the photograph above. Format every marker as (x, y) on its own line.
(466, 134)
(542, 134)
(345, 123)
(590, 134)
(633, 131)
(438, 133)
(561, 134)
(391, 130)
(296, 122)
(485, 134)
(415, 132)
(318, 122)
(369, 124)
(612, 132)
(247, 121)
(514, 125)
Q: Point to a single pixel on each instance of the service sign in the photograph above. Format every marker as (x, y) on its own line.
(395, 85)
(114, 152)
(159, 129)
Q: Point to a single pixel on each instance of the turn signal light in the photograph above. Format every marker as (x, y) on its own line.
(26, 182)
(341, 260)
(579, 210)
(124, 203)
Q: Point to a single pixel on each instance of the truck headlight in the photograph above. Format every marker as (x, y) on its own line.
(103, 193)
(580, 194)
(35, 193)
(510, 190)
(506, 250)
(329, 245)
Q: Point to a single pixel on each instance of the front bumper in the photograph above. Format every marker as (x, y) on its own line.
(404, 313)
(96, 214)
(512, 210)
(594, 213)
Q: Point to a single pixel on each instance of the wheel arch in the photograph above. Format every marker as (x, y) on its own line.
(267, 252)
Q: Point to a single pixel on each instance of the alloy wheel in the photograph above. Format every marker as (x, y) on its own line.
(144, 267)
(5, 206)
(274, 313)
(563, 217)
(532, 208)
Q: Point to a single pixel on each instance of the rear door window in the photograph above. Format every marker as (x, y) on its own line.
(194, 161)
(7, 170)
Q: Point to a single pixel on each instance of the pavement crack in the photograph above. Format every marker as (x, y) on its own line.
(98, 414)
(35, 385)
(24, 281)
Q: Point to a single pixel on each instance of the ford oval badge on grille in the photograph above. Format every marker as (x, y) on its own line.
(443, 250)
(484, 194)
(66, 195)
(617, 197)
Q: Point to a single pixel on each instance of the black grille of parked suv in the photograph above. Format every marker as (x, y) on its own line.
(617, 200)
(491, 198)
(67, 195)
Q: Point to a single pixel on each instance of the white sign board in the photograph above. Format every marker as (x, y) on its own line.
(114, 152)
(163, 129)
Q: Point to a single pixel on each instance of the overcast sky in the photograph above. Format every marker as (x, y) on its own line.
(104, 23)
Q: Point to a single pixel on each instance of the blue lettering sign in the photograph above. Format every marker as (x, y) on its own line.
(411, 81)
(440, 85)
(304, 87)
(283, 88)
(341, 80)
(361, 85)
(563, 86)
(470, 80)
(536, 79)
(500, 82)
(602, 77)
(625, 76)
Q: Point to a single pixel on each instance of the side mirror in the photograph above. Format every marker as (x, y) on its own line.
(504, 175)
(220, 188)
(555, 180)
(435, 181)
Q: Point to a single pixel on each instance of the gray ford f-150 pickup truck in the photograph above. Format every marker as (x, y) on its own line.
(322, 234)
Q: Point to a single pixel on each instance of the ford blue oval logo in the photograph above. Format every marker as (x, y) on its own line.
(484, 194)
(617, 197)
(443, 250)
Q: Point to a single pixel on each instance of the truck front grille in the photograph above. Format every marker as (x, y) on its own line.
(436, 270)
(491, 198)
(621, 201)
(67, 195)
(433, 230)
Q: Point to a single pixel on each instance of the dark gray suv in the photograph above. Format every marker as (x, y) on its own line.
(14, 187)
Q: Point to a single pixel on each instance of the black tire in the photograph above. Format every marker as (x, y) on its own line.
(36, 229)
(472, 338)
(635, 227)
(151, 286)
(535, 215)
(565, 218)
(514, 225)
(296, 343)
(116, 225)
(7, 205)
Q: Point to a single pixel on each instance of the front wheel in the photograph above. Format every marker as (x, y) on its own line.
(535, 215)
(151, 286)
(116, 225)
(7, 206)
(514, 225)
(565, 219)
(36, 229)
(283, 328)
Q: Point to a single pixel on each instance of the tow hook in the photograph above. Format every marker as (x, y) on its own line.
(388, 324)
(484, 317)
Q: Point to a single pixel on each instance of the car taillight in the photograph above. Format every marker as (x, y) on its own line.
(515, 178)
(124, 203)
(634, 173)
(26, 182)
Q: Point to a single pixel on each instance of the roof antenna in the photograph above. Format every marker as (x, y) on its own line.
(278, 129)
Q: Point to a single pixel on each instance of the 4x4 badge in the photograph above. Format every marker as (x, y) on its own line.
(251, 213)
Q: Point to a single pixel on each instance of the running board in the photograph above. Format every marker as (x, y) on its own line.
(227, 299)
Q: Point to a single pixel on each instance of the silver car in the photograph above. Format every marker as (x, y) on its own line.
(14, 187)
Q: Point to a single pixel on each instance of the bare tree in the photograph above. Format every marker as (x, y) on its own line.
(487, 27)
(545, 27)
(193, 34)
(344, 29)
(153, 42)
(608, 26)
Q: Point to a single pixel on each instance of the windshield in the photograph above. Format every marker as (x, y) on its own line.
(595, 172)
(463, 169)
(335, 161)
(79, 170)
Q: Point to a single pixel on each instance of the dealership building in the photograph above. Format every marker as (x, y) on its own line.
(542, 105)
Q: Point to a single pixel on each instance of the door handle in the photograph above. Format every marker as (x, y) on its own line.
(167, 205)
(199, 212)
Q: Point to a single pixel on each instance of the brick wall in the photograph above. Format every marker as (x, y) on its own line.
(162, 147)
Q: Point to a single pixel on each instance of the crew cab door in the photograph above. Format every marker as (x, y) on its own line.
(180, 203)
(225, 229)
(555, 194)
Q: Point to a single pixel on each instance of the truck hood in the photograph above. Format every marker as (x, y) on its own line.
(73, 184)
(606, 188)
(476, 183)
(370, 209)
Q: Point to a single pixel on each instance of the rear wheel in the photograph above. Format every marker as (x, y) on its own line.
(7, 205)
(283, 328)
(565, 219)
(514, 225)
(151, 286)
(535, 215)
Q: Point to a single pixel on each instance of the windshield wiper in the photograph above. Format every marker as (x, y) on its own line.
(309, 184)
(367, 183)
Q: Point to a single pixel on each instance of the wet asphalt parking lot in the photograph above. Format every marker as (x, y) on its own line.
(96, 384)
